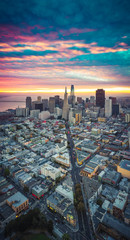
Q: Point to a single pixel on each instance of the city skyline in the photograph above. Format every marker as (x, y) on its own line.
(44, 46)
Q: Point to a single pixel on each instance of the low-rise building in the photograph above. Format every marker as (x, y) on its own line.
(37, 192)
(50, 171)
(62, 158)
(124, 168)
(119, 204)
(82, 156)
(18, 202)
(111, 177)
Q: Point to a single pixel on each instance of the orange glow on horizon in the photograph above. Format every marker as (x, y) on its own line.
(118, 90)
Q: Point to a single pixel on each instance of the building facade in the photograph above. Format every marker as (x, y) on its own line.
(100, 98)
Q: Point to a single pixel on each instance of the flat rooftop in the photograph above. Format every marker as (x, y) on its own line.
(18, 198)
(125, 164)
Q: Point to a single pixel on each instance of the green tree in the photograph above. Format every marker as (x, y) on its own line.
(81, 207)
(26, 189)
(99, 202)
(58, 179)
(65, 237)
(6, 172)
(50, 226)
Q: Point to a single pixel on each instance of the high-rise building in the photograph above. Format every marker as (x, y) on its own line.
(79, 100)
(92, 99)
(65, 106)
(61, 103)
(72, 89)
(29, 103)
(57, 97)
(71, 99)
(113, 100)
(51, 104)
(39, 105)
(100, 98)
(108, 108)
(39, 99)
(115, 109)
(45, 104)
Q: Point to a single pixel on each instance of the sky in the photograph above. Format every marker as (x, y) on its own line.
(46, 45)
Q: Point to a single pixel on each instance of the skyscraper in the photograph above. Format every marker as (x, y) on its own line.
(65, 106)
(71, 99)
(57, 97)
(72, 89)
(51, 104)
(39, 99)
(108, 108)
(29, 103)
(100, 98)
(45, 104)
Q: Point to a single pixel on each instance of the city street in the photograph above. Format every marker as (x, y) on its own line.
(84, 228)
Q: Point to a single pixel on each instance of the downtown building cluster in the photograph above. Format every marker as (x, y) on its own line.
(35, 151)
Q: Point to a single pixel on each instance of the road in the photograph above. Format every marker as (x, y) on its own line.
(84, 228)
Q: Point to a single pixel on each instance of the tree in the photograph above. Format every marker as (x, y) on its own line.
(80, 207)
(26, 189)
(6, 172)
(50, 226)
(65, 237)
(99, 202)
(58, 179)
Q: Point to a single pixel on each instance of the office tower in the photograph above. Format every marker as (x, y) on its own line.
(113, 100)
(92, 99)
(29, 103)
(100, 98)
(39, 99)
(71, 98)
(51, 104)
(65, 106)
(115, 109)
(108, 108)
(39, 106)
(57, 97)
(45, 104)
(87, 100)
(72, 89)
(61, 103)
(79, 100)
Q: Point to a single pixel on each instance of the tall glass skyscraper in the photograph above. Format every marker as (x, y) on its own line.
(29, 103)
(100, 98)
(72, 89)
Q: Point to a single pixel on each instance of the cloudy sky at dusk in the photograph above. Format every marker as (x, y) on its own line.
(47, 44)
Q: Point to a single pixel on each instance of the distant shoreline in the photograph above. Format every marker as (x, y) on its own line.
(12, 101)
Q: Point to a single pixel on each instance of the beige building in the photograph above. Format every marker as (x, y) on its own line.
(50, 171)
(124, 168)
(18, 202)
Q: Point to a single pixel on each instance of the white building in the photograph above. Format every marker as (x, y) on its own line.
(108, 108)
(44, 115)
(127, 117)
(57, 112)
(65, 191)
(22, 112)
(50, 171)
(34, 113)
